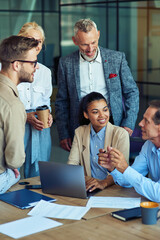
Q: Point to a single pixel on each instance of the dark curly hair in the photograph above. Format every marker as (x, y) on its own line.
(83, 107)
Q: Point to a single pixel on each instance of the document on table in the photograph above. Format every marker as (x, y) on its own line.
(52, 210)
(26, 226)
(113, 202)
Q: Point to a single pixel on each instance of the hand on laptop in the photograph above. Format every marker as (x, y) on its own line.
(93, 183)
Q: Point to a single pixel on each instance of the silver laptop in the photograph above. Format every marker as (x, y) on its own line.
(63, 179)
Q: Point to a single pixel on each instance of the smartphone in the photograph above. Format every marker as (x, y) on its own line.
(33, 187)
(23, 183)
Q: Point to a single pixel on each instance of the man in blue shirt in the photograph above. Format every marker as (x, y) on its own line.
(147, 162)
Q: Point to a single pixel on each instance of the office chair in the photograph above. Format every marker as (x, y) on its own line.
(136, 143)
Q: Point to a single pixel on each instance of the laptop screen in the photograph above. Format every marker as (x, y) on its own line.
(62, 179)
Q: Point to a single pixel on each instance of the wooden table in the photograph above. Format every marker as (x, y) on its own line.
(97, 224)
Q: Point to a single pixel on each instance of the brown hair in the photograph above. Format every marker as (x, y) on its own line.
(15, 48)
(156, 117)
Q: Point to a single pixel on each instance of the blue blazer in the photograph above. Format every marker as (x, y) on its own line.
(68, 96)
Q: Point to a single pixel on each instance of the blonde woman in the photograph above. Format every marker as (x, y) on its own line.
(37, 139)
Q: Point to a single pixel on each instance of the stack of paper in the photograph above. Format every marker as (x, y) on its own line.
(52, 210)
(113, 202)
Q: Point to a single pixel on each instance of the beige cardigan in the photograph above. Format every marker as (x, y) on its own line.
(115, 136)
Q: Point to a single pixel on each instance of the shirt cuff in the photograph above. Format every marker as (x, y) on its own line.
(116, 175)
(131, 175)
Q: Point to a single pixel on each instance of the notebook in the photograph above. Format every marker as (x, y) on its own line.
(24, 198)
(63, 179)
(127, 214)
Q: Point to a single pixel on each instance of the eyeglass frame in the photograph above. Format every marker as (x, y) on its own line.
(25, 61)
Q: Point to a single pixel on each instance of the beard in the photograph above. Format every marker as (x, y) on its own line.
(88, 58)
(25, 76)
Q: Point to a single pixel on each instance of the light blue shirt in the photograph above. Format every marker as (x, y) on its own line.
(97, 142)
(148, 161)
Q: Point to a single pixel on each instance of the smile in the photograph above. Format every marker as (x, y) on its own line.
(90, 53)
(102, 121)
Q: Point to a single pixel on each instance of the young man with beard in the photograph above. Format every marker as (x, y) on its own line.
(18, 57)
(94, 69)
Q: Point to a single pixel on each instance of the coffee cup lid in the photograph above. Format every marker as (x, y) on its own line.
(44, 107)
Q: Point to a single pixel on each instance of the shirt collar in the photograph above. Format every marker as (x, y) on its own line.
(100, 134)
(155, 150)
(98, 58)
(7, 81)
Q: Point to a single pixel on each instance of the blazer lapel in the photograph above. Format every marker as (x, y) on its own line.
(86, 150)
(108, 135)
(106, 62)
(76, 68)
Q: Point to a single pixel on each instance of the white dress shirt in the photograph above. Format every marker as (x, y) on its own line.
(37, 93)
(92, 76)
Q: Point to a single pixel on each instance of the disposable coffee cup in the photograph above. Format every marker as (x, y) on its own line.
(43, 114)
(149, 211)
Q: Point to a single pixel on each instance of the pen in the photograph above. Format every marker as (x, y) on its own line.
(103, 152)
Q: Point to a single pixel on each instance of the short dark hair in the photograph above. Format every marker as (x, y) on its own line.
(15, 48)
(85, 102)
(156, 117)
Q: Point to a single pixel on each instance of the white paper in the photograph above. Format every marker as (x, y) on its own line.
(53, 210)
(26, 226)
(113, 202)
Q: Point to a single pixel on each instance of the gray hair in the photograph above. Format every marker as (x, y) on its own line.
(84, 25)
(156, 117)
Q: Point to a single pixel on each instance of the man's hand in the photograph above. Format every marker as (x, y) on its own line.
(130, 131)
(37, 124)
(66, 144)
(16, 172)
(118, 160)
(104, 159)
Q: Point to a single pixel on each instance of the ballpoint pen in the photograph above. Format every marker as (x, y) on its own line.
(103, 152)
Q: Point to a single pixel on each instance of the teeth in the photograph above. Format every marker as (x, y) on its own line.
(102, 121)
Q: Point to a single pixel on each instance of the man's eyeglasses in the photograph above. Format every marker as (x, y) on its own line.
(33, 62)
